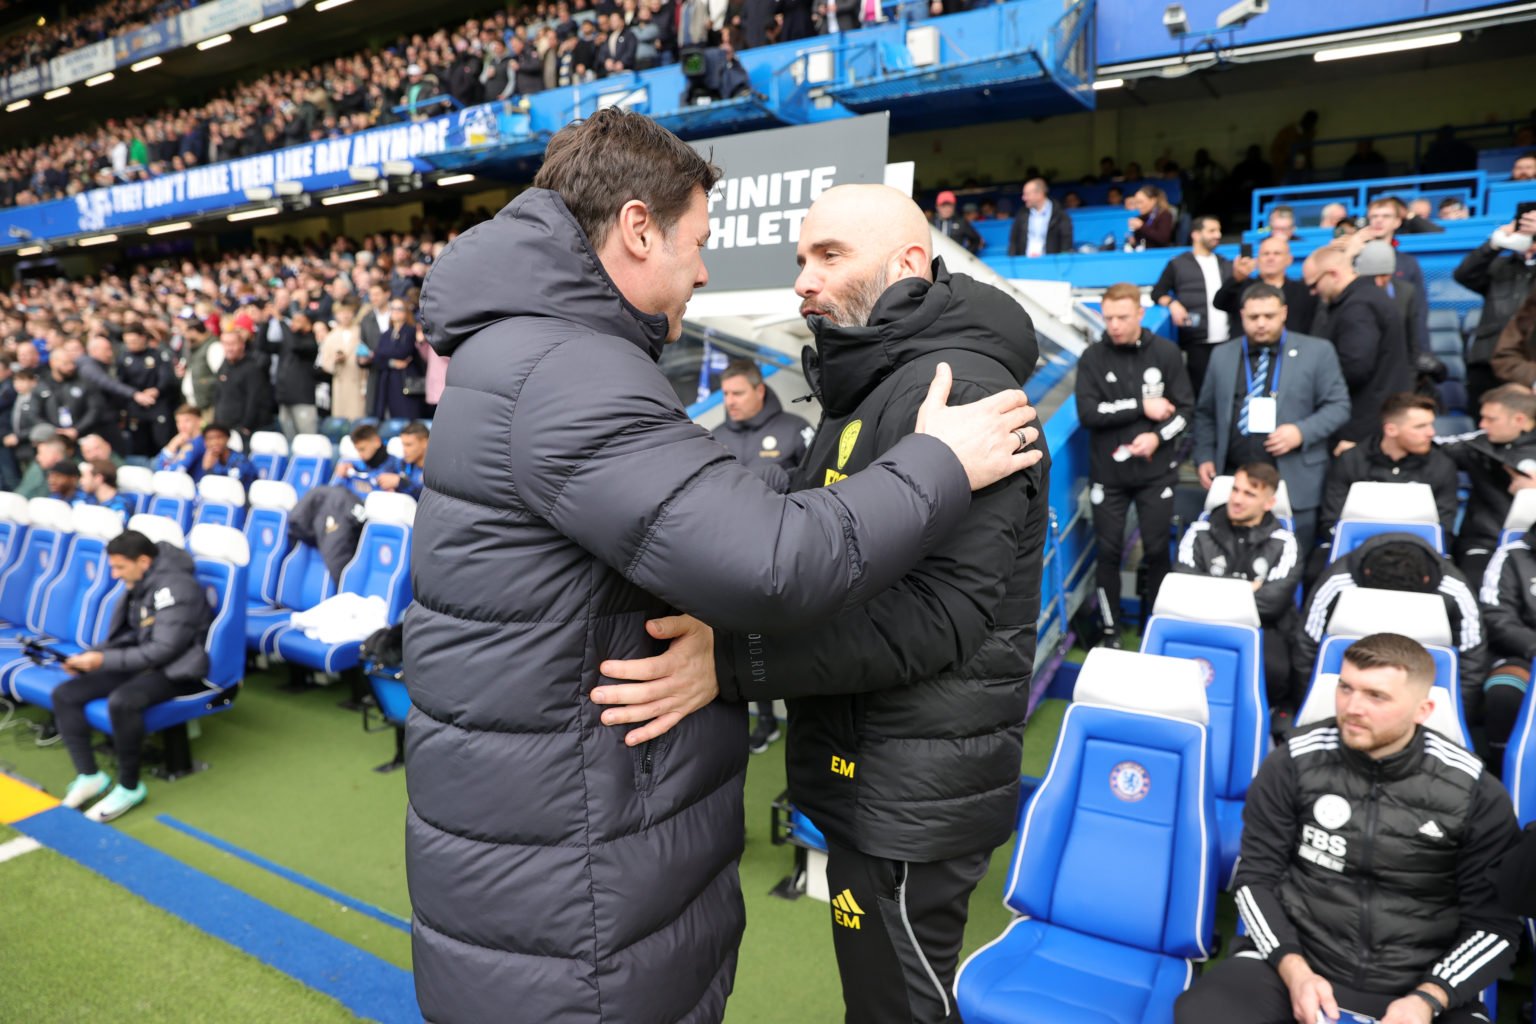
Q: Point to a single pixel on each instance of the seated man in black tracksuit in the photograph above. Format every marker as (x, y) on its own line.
(1403, 561)
(1499, 459)
(1243, 540)
(1403, 452)
(905, 715)
(1368, 873)
(154, 653)
(1135, 399)
(1509, 618)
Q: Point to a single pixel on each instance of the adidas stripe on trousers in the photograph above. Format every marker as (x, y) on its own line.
(897, 927)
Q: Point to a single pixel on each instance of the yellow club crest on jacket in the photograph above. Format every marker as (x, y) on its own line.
(847, 441)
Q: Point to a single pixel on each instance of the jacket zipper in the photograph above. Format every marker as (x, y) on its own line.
(1366, 856)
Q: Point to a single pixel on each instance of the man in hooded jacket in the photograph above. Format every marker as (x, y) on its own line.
(561, 871)
(906, 716)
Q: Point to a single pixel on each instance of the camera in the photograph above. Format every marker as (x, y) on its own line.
(1241, 13)
(1175, 20)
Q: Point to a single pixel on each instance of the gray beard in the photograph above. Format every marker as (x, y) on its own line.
(855, 310)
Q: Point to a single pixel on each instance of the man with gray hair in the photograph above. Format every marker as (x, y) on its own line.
(1377, 262)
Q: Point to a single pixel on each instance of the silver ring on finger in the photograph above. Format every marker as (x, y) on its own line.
(1022, 439)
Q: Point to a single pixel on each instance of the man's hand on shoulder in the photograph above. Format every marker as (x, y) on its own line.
(985, 435)
(663, 690)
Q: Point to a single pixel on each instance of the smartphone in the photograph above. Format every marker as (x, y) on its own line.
(1523, 209)
(1245, 250)
(363, 351)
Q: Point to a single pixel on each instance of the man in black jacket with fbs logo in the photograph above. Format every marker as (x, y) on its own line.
(1368, 874)
(905, 716)
(1135, 399)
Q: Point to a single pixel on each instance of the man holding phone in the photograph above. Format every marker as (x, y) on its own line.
(1502, 270)
(1272, 265)
(1187, 286)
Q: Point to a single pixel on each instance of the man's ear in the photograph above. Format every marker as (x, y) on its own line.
(637, 230)
(911, 260)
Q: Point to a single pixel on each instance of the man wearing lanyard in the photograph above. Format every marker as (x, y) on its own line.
(1273, 397)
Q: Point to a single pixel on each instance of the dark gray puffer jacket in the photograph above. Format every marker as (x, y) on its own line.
(557, 875)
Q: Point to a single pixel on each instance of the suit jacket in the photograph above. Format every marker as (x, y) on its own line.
(1058, 232)
(621, 48)
(1312, 395)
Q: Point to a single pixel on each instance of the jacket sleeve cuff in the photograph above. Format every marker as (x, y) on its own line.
(726, 676)
(1282, 951)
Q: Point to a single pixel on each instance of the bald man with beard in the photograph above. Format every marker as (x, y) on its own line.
(906, 716)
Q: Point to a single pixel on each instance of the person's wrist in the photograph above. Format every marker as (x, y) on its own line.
(1437, 1006)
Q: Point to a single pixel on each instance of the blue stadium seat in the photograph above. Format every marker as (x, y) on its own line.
(1221, 489)
(310, 464)
(1453, 395)
(1454, 424)
(334, 428)
(1362, 611)
(269, 454)
(302, 583)
(1113, 876)
(175, 498)
(1373, 508)
(1444, 319)
(381, 568)
(39, 560)
(1520, 517)
(221, 556)
(137, 483)
(266, 532)
(13, 528)
(221, 502)
(74, 611)
(1470, 322)
(1445, 342)
(391, 428)
(1215, 623)
(1455, 367)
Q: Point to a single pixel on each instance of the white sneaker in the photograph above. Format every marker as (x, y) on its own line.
(117, 803)
(86, 788)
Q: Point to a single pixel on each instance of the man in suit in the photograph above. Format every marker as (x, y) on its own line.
(1272, 396)
(619, 49)
(1188, 286)
(1041, 228)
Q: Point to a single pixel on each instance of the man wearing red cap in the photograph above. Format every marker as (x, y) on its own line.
(957, 228)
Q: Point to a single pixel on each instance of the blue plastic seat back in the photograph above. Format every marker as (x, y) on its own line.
(392, 428)
(306, 472)
(381, 567)
(224, 585)
(12, 537)
(38, 561)
(266, 530)
(303, 582)
(270, 465)
(1520, 764)
(73, 599)
(1118, 842)
(177, 509)
(219, 514)
(804, 832)
(394, 700)
(1349, 534)
(1232, 660)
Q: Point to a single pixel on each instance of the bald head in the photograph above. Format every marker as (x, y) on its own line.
(858, 240)
(1328, 271)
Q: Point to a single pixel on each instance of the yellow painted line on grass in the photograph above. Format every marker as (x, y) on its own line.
(19, 800)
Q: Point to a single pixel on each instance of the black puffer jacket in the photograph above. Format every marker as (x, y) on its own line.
(1484, 462)
(771, 438)
(162, 622)
(1509, 600)
(907, 715)
(1379, 872)
(556, 874)
(1267, 551)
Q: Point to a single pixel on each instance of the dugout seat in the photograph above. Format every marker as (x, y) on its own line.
(1374, 508)
(302, 583)
(13, 527)
(75, 607)
(266, 532)
(269, 454)
(1215, 623)
(221, 502)
(221, 556)
(1114, 872)
(381, 568)
(1520, 517)
(310, 463)
(137, 483)
(175, 498)
(39, 559)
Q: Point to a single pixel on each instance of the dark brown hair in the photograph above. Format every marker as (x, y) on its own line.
(600, 163)
(1403, 401)
(1261, 473)
(1393, 650)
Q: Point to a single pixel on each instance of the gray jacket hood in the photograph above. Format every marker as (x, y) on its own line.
(531, 260)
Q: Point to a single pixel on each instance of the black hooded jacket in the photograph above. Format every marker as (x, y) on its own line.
(1112, 382)
(1487, 464)
(906, 716)
(557, 874)
(771, 438)
(1509, 600)
(162, 622)
(1367, 462)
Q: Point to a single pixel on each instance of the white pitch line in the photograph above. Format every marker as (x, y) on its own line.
(18, 846)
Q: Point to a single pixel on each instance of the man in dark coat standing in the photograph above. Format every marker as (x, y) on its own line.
(293, 342)
(571, 500)
(906, 715)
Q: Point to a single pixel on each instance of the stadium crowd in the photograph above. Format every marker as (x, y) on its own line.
(99, 22)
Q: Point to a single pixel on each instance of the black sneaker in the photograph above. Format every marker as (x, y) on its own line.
(766, 732)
